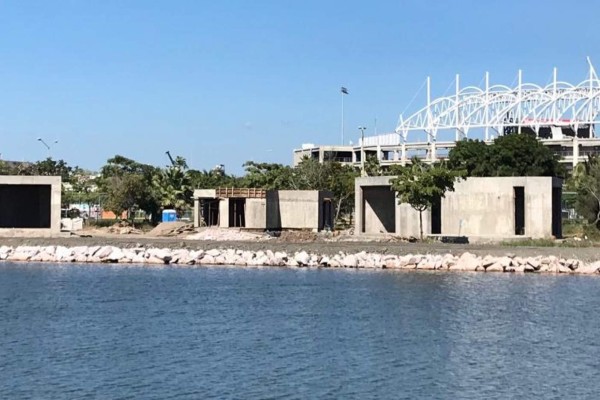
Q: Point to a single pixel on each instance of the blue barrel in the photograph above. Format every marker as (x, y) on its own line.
(169, 216)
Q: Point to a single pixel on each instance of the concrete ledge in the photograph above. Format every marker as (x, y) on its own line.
(32, 233)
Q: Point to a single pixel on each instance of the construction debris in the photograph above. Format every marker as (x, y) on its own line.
(171, 229)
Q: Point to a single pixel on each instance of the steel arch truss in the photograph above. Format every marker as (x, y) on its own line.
(498, 107)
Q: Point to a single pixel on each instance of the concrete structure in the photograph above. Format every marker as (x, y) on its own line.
(389, 152)
(263, 209)
(30, 205)
(495, 208)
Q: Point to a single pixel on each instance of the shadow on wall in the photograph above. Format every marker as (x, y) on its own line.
(381, 202)
(273, 210)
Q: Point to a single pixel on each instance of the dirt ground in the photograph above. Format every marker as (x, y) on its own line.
(309, 242)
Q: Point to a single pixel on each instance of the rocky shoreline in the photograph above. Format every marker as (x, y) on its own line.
(299, 259)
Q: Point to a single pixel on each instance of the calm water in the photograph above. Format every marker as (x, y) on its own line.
(71, 332)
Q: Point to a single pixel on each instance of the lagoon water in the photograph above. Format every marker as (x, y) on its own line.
(82, 331)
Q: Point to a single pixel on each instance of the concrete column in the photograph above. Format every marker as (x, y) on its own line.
(55, 206)
(403, 152)
(321, 155)
(433, 152)
(196, 212)
(224, 213)
(358, 209)
(575, 150)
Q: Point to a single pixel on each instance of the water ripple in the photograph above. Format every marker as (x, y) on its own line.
(70, 331)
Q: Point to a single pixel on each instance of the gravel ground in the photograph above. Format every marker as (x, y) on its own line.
(586, 254)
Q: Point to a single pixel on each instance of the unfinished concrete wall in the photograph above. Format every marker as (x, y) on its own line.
(407, 221)
(224, 213)
(486, 207)
(293, 209)
(479, 207)
(30, 205)
(256, 213)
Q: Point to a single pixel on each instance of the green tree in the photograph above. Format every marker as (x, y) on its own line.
(126, 174)
(586, 181)
(420, 185)
(523, 155)
(50, 167)
(268, 176)
(373, 166)
(509, 155)
(310, 174)
(123, 193)
(471, 158)
(212, 179)
(173, 187)
(341, 183)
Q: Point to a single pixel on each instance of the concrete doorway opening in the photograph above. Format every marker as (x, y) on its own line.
(25, 206)
(436, 217)
(327, 213)
(519, 196)
(237, 213)
(556, 212)
(210, 211)
(379, 210)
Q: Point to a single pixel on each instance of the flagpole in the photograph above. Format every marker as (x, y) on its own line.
(343, 91)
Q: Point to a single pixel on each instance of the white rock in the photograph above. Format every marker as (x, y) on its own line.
(349, 261)
(220, 260)
(213, 252)
(104, 252)
(207, 259)
(589, 268)
(335, 263)
(302, 258)
(391, 262)
(534, 263)
(495, 267)
(64, 254)
(115, 255)
(467, 262)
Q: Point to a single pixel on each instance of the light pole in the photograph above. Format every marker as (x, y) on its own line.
(362, 130)
(343, 91)
(46, 145)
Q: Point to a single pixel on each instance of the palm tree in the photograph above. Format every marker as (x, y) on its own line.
(173, 186)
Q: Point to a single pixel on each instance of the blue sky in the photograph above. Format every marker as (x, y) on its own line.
(222, 82)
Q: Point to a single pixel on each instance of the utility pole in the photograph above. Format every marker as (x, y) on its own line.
(46, 145)
(362, 130)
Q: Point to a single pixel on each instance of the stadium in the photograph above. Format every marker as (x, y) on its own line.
(560, 114)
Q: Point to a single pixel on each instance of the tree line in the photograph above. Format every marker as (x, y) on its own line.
(124, 184)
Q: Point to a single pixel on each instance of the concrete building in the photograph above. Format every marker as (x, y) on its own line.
(263, 209)
(388, 151)
(479, 208)
(30, 205)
